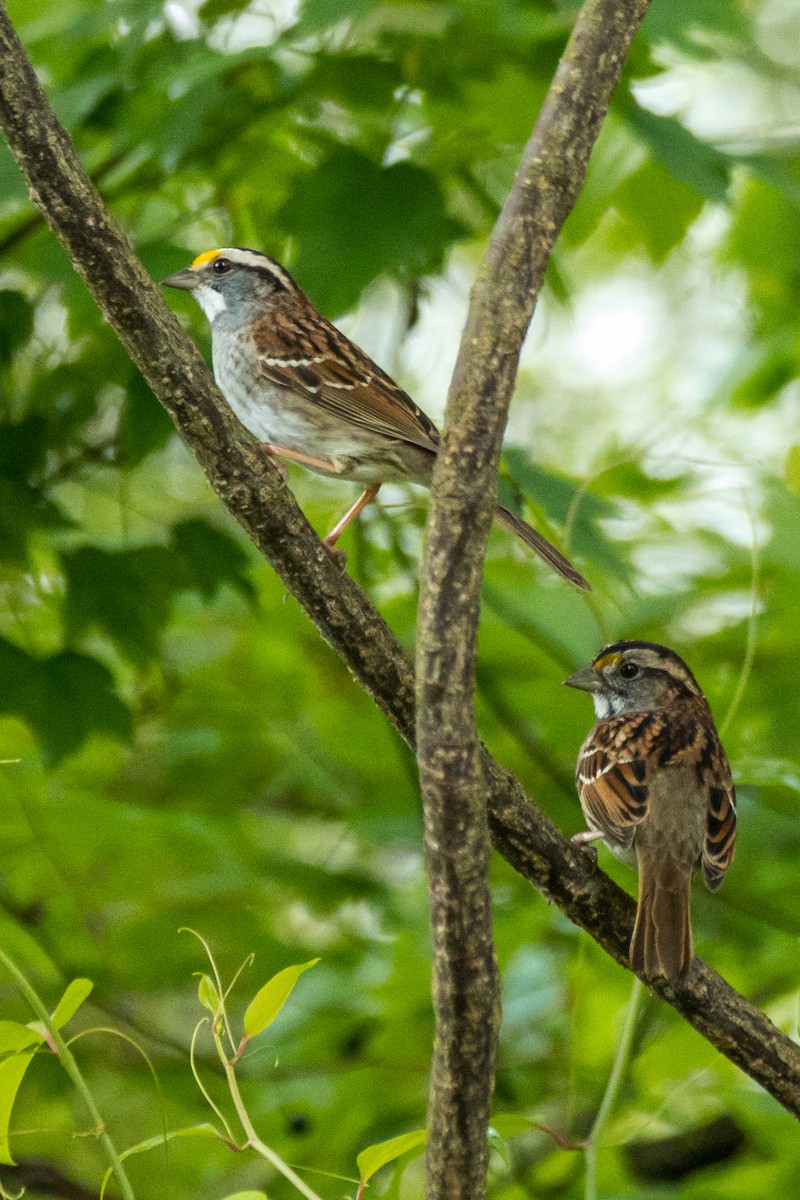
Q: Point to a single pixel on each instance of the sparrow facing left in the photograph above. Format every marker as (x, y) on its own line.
(309, 394)
(655, 785)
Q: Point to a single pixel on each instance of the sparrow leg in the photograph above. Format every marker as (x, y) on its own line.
(279, 466)
(362, 501)
(305, 460)
(586, 837)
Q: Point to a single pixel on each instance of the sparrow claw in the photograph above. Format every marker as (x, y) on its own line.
(278, 463)
(586, 840)
(337, 554)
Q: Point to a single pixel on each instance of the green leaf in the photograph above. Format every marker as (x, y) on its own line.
(683, 155)
(374, 1157)
(657, 207)
(24, 507)
(247, 1196)
(70, 1002)
(16, 323)
(355, 79)
(397, 213)
(64, 698)
(127, 594)
(792, 473)
(211, 558)
(144, 425)
(498, 1144)
(509, 1125)
(207, 994)
(205, 1130)
(23, 511)
(268, 1002)
(24, 446)
(15, 1055)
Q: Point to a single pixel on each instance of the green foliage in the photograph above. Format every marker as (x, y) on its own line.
(270, 999)
(18, 1044)
(78, 991)
(64, 697)
(375, 1157)
(191, 753)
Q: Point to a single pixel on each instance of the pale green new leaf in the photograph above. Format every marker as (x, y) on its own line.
(374, 1157)
(205, 1131)
(509, 1125)
(18, 1045)
(246, 1196)
(207, 993)
(793, 470)
(269, 1001)
(70, 1002)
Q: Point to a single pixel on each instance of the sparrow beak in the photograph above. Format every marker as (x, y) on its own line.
(586, 680)
(186, 280)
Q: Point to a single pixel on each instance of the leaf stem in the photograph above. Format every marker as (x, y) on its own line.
(253, 1140)
(73, 1070)
(621, 1060)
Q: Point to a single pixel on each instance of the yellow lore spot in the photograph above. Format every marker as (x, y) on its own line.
(607, 660)
(202, 259)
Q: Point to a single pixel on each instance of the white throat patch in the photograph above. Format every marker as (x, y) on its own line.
(211, 302)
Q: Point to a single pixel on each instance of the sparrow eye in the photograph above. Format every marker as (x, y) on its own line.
(629, 670)
(221, 266)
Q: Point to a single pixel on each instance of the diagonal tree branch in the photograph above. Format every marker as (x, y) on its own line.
(256, 496)
(466, 995)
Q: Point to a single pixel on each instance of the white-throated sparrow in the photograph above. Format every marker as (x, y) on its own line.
(309, 394)
(655, 785)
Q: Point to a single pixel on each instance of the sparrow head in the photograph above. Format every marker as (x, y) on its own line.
(635, 677)
(232, 282)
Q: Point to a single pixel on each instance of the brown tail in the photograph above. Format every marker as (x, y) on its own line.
(662, 936)
(540, 546)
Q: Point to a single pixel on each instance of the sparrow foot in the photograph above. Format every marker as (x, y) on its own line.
(337, 554)
(278, 463)
(585, 837)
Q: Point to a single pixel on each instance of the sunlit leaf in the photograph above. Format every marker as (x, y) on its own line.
(400, 214)
(207, 994)
(270, 999)
(793, 470)
(77, 991)
(247, 1196)
(374, 1157)
(17, 1046)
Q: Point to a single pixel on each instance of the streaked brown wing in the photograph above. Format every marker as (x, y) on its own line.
(337, 374)
(720, 838)
(614, 802)
(612, 774)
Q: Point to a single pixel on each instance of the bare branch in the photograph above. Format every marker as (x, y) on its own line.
(466, 998)
(256, 496)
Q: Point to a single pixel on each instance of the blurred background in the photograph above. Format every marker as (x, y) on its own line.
(191, 753)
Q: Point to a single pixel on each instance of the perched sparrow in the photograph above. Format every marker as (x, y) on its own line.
(311, 395)
(655, 785)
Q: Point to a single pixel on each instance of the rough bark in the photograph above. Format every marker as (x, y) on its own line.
(465, 992)
(256, 496)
